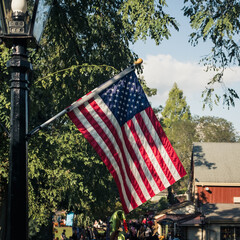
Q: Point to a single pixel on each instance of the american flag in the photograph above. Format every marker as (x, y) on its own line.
(121, 126)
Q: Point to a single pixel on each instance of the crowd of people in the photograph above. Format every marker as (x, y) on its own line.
(146, 229)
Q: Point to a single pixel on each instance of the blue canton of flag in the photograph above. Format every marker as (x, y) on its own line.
(125, 98)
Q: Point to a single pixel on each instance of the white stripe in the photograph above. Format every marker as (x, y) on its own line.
(149, 152)
(130, 162)
(104, 147)
(142, 162)
(161, 148)
(117, 149)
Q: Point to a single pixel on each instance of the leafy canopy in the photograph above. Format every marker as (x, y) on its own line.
(84, 44)
(219, 22)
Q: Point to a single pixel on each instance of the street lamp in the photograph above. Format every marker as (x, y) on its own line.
(18, 31)
(16, 23)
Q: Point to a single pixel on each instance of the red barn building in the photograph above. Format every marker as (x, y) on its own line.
(212, 211)
(215, 185)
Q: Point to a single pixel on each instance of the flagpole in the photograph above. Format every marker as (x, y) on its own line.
(87, 97)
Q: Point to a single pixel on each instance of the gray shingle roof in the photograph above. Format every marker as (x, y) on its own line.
(222, 211)
(216, 162)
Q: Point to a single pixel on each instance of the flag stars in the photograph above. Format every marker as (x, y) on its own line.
(125, 99)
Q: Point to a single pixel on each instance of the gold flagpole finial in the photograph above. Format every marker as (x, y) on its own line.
(139, 61)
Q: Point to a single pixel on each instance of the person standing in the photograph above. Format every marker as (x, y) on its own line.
(59, 221)
(63, 236)
(95, 233)
(75, 234)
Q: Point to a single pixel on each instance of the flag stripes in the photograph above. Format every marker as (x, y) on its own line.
(120, 144)
(137, 154)
(166, 149)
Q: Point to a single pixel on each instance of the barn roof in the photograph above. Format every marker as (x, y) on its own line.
(216, 162)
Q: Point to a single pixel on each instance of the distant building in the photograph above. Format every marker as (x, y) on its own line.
(214, 196)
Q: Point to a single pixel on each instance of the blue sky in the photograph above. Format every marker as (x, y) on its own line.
(175, 60)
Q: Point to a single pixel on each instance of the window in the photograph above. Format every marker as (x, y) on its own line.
(230, 233)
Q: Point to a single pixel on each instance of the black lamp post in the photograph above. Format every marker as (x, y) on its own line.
(202, 219)
(18, 31)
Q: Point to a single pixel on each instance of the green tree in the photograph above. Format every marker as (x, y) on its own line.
(219, 22)
(84, 44)
(163, 204)
(176, 120)
(4, 131)
(214, 129)
(181, 135)
(176, 108)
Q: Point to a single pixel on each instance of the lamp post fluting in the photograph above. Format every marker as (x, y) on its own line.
(17, 205)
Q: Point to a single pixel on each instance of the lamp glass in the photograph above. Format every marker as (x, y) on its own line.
(42, 13)
(5, 16)
(19, 6)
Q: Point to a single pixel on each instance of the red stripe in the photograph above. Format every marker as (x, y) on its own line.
(105, 138)
(137, 164)
(113, 130)
(166, 143)
(154, 148)
(101, 153)
(145, 156)
(87, 135)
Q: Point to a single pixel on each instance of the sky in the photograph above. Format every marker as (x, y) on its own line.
(175, 60)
